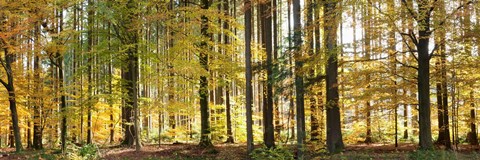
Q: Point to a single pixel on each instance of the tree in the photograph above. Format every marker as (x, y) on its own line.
(334, 132)
(423, 75)
(297, 27)
(367, 18)
(37, 108)
(127, 31)
(472, 137)
(266, 17)
(205, 140)
(441, 86)
(248, 74)
(7, 44)
(90, 43)
(228, 106)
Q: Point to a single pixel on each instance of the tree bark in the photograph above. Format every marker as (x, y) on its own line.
(205, 140)
(472, 137)
(248, 74)
(314, 123)
(442, 93)
(229, 117)
(299, 86)
(334, 132)
(37, 125)
(423, 77)
(266, 16)
(90, 41)
(9, 58)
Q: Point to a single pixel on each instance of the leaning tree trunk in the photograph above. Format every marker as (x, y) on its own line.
(11, 97)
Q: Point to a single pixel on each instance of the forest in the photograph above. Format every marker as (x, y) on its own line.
(239, 79)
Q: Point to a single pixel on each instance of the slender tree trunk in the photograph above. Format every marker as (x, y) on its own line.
(367, 16)
(228, 106)
(319, 109)
(405, 121)
(393, 66)
(472, 137)
(276, 101)
(266, 16)
(37, 125)
(248, 74)
(297, 27)
(442, 94)
(90, 41)
(229, 117)
(314, 124)
(110, 88)
(63, 98)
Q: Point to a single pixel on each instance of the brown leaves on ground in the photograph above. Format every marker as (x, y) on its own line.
(178, 151)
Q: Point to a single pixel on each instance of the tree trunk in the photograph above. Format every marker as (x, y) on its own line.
(9, 58)
(90, 41)
(334, 132)
(205, 140)
(129, 36)
(405, 121)
(248, 74)
(299, 86)
(393, 66)
(266, 16)
(229, 117)
(228, 106)
(442, 93)
(423, 77)
(367, 25)
(472, 137)
(314, 124)
(37, 125)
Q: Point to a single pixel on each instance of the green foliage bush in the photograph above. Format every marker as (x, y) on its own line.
(432, 155)
(89, 151)
(278, 153)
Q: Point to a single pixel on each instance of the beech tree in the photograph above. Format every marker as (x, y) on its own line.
(334, 132)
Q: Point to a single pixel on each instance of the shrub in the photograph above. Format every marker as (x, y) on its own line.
(277, 153)
(89, 151)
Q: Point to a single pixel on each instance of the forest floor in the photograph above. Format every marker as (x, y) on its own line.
(237, 152)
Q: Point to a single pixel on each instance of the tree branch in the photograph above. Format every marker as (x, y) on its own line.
(412, 13)
(4, 83)
(405, 65)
